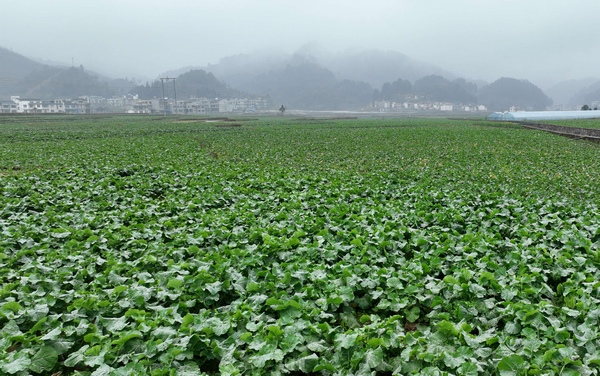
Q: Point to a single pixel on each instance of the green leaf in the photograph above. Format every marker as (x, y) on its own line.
(571, 312)
(430, 371)
(413, 314)
(53, 334)
(260, 360)
(252, 287)
(305, 364)
(453, 361)
(10, 329)
(114, 325)
(273, 302)
(174, 283)
(103, 370)
(336, 300)
(374, 357)
(187, 321)
(511, 365)
(450, 280)
(94, 356)
(512, 327)
(44, 360)
(316, 346)
(18, 362)
(126, 337)
(228, 370)
(246, 337)
(189, 369)
(60, 233)
(214, 288)
(275, 330)
(14, 307)
(468, 369)
(394, 283)
(447, 328)
(76, 357)
(218, 326)
(61, 345)
(345, 341)
(567, 371)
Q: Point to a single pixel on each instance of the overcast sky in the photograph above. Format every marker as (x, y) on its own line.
(541, 40)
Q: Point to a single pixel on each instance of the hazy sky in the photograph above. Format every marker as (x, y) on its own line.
(541, 40)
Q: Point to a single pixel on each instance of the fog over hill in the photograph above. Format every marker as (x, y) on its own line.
(310, 78)
(22, 76)
(574, 92)
(542, 41)
(589, 94)
(372, 66)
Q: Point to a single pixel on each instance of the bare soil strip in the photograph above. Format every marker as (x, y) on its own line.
(571, 132)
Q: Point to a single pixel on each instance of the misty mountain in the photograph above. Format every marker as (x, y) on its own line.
(239, 70)
(303, 83)
(67, 83)
(586, 95)
(16, 66)
(592, 97)
(505, 92)
(372, 66)
(296, 81)
(311, 78)
(14, 72)
(22, 76)
(377, 67)
(571, 92)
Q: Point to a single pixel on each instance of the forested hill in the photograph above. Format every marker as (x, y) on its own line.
(500, 95)
(194, 83)
(14, 69)
(432, 87)
(505, 92)
(22, 76)
(16, 66)
(306, 85)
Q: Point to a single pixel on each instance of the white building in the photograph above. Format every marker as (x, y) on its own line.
(38, 106)
(8, 107)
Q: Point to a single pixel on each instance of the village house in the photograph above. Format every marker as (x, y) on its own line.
(389, 106)
(131, 104)
(8, 107)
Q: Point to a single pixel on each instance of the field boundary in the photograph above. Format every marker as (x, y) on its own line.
(571, 132)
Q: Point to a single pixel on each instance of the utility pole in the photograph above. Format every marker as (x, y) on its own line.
(163, 97)
(162, 81)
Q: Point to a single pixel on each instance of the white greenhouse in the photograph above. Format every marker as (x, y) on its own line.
(543, 115)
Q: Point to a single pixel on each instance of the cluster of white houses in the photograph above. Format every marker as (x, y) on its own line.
(389, 106)
(131, 104)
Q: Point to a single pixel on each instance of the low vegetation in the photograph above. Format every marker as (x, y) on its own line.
(141, 245)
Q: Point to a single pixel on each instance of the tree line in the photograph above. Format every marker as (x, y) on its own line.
(499, 95)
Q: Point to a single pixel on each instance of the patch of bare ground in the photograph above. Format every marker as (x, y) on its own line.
(570, 132)
(213, 120)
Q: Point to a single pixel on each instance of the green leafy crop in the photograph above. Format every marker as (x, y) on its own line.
(140, 245)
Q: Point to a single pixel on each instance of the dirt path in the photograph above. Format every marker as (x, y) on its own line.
(572, 132)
